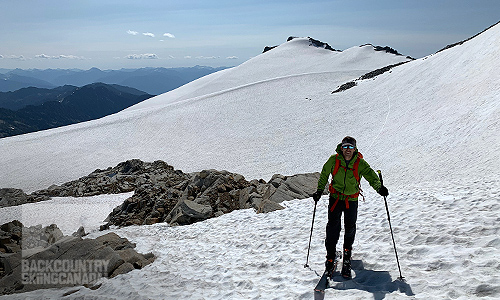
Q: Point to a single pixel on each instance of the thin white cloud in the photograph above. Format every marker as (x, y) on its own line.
(43, 56)
(232, 57)
(62, 56)
(207, 57)
(188, 57)
(142, 56)
(70, 57)
(132, 32)
(16, 57)
(1, 56)
(169, 35)
(148, 34)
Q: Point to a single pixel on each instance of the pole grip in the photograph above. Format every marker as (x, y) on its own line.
(380, 177)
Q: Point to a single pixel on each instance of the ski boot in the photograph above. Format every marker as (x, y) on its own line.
(331, 263)
(330, 267)
(346, 265)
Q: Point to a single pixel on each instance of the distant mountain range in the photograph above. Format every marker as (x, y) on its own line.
(153, 81)
(33, 109)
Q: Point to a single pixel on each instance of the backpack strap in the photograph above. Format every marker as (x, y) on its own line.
(354, 168)
(337, 165)
(356, 175)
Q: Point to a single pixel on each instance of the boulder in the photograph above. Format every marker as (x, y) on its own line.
(82, 260)
(298, 186)
(187, 212)
(38, 236)
(11, 197)
(80, 232)
(137, 260)
(114, 241)
(11, 237)
(122, 269)
(267, 206)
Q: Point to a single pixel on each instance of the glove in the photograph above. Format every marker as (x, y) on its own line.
(317, 195)
(383, 191)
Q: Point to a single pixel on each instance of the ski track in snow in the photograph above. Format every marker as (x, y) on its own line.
(447, 241)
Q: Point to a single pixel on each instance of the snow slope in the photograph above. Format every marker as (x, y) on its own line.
(447, 242)
(246, 119)
(275, 114)
(431, 125)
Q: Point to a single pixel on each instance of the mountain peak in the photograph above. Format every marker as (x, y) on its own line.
(312, 42)
(386, 49)
(320, 44)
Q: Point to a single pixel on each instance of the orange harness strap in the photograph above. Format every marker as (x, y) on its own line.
(346, 199)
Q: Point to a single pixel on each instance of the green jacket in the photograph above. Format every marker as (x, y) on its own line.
(346, 183)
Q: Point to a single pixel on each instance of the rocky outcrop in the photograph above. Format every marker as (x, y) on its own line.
(125, 177)
(320, 44)
(35, 258)
(200, 196)
(12, 197)
(345, 86)
(208, 194)
(267, 48)
(316, 43)
(368, 75)
(163, 194)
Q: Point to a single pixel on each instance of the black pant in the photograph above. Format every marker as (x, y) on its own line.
(333, 227)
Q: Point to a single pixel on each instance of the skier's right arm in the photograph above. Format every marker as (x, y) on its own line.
(325, 173)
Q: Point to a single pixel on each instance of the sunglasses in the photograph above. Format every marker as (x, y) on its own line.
(348, 147)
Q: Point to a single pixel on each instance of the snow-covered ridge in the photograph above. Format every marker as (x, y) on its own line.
(293, 58)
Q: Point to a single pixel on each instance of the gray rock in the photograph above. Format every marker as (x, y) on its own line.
(115, 241)
(129, 255)
(244, 197)
(268, 206)
(122, 269)
(298, 186)
(36, 236)
(187, 212)
(12, 197)
(106, 256)
(80, 232)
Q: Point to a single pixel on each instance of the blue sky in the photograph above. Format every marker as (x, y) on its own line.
(111, 34)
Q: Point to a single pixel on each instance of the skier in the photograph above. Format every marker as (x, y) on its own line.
(347, 168)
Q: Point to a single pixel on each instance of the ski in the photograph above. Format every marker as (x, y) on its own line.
(319, 290)
(323, 283)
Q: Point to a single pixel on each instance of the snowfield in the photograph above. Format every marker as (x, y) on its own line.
(447, 243)
(431, 125)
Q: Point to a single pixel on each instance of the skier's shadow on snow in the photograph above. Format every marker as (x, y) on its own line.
(379, 283)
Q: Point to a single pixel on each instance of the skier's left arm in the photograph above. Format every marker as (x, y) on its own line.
(369, 174)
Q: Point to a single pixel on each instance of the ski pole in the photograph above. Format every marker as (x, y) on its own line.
(390, 226)
(310, 236)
